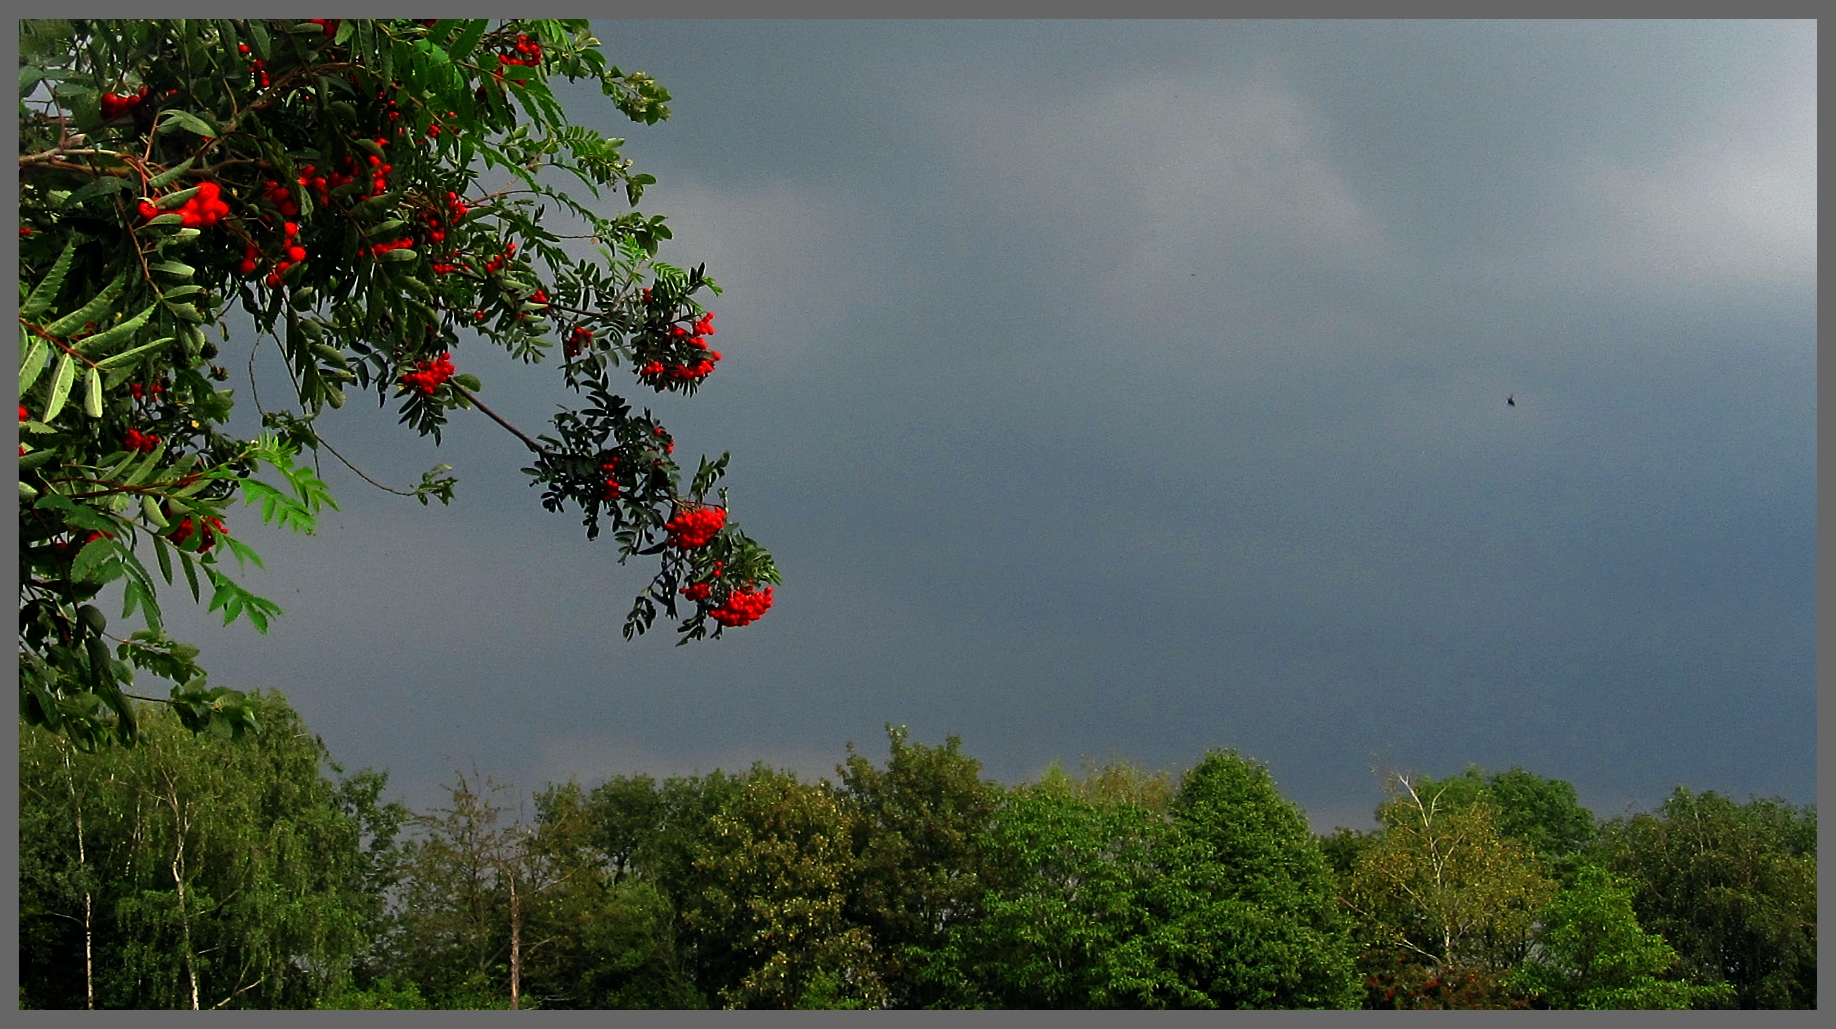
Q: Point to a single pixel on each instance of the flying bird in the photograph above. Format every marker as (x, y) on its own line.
(1511, 401)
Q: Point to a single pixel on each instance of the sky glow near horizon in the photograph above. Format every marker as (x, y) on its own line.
(1138, 388)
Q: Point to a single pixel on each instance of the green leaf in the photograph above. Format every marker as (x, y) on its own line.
(191, 574)
(46, 290)
(98, 308)
(118, 334)
(32, 360)
(259, 33)
(178, 268)
(462, 47)
(94, 554)
(401, 254)
(128, 356)
(377, 203)
(164, 554)
(234, 600)
(100, 187)
(170, 174)
(61, 378)
(92, 392)
(174, 119)
(143, 471)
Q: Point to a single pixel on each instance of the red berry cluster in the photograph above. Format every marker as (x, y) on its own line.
(611, 490)
(529, 53)
(429, 375)
(379, 182)
(577, 341)
(293, 254)
(207, 537)
(497, 262)
(659, 375)
(393, 113)
(140, 392)
(258, 69)
(694, 526)
(439, 220)
(24, 415)
(379, 249)
(141, 442)
(115, 105)
(433, 131)
(538, 298)
(282, 197)
(319, 184)
(202, 210)
(743, 607)
(330, 25)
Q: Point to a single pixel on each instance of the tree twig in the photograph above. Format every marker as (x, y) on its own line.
(540, 450)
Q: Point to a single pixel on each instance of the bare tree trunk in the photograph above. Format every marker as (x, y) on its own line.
(516, 944)
(89, 921)
(178, 881)
(89, 930)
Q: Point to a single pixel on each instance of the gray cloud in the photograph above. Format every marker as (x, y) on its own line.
(1139, 388)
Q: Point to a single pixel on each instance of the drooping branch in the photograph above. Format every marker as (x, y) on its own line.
(472, 398)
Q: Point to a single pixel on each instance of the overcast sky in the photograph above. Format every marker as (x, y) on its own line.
(1138, 388)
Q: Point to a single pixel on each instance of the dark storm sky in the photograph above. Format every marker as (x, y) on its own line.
(1138, 388)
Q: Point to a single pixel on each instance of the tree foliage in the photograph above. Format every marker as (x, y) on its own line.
(916, 841)
(1262, 928)
(913, 883)
(194, 871)
(768, 896)
(1592, 954)
(1445, 903)
(1733, 887)
(372, 195)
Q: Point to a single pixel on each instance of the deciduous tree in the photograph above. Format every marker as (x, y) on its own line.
(1591, 953)
(193, 871)
(915, 837)
(1445, 904)
(1733, 887)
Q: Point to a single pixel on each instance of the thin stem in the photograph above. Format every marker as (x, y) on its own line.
(540, 450)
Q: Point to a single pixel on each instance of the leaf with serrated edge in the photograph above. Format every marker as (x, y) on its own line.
(103, 340)
(128, 355)
(93, 554)
(99, 305)
(46, 290)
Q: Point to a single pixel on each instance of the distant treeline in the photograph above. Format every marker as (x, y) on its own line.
(194, 871)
